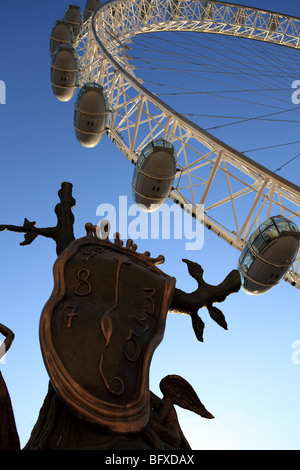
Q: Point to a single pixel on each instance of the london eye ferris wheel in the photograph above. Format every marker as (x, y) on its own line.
(100, 53)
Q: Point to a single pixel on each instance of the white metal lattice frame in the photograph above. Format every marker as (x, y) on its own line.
(210, 172)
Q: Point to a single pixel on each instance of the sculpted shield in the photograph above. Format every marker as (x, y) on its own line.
(100, 327)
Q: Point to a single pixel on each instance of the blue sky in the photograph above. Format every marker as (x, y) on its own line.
(245, 376)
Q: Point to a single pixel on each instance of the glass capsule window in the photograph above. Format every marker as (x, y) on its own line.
(293, 226)
(285, 224)
(281, 224)
(254, 235)
(142, 158)
(259, 243)
(269, 230)
(270, 233)
(247, 260)
(135, 178)
(92, 85)
(148, 150)
(265, 225)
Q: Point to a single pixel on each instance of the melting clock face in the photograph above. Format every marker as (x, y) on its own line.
(99, 329)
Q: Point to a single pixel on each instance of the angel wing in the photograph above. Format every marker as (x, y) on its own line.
(181, 393)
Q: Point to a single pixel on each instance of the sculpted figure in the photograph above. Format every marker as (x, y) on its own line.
(9, 439)
(98, 332)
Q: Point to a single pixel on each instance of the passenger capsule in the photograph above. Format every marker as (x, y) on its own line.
(154, 175)
(62, 33)
(90, 7)
(73, 16)
(273, 23)
(91, 114)
(268, 254)
(64, 72)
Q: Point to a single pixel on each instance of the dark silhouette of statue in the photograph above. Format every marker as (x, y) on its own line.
(9, 439)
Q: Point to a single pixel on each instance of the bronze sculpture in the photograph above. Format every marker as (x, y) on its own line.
(9, 439)
(110, 302)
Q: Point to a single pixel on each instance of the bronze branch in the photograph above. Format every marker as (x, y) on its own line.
(62, 234)
(204, 296)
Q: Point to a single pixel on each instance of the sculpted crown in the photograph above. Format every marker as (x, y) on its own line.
(102, 234)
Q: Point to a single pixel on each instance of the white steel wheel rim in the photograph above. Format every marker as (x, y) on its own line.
(103, 59)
